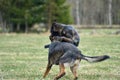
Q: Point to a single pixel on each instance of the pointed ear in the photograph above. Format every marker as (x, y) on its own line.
(54, 23)
(55, 20)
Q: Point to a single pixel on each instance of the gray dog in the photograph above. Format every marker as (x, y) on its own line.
(63, 52)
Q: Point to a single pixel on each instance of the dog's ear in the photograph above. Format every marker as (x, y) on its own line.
(54, 22)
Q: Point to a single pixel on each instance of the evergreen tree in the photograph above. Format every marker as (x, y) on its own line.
(59, 11)
(19, 15)
(22, 13)
(62, 13)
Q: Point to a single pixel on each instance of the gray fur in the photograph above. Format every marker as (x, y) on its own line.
(63, 52)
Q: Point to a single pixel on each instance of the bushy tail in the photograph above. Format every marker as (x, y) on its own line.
(96, 58)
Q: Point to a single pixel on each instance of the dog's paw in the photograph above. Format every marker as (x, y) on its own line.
(76, 78)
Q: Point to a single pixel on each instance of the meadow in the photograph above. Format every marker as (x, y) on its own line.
(23, 56)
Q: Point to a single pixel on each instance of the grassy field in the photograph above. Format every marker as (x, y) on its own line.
(23, 57)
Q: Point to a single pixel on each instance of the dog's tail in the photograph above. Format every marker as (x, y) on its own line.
(47, 46)
(95, 58)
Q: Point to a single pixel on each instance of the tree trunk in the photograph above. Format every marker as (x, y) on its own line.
(4, 27)
(26, 27)
(11, 27)
(49, 15)
(110, 13)
(77, 13)
(3, 23)
(18, 27)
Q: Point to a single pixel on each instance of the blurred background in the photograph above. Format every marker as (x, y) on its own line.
(26, 16)
(24, 30)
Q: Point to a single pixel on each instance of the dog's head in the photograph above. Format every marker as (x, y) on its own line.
(57, 27)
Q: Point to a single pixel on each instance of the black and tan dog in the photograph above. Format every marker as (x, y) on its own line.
(63, 52)
(63, 33)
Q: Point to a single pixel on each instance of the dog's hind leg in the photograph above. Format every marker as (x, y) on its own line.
(47, 70)
(74, 69)
(61, 73)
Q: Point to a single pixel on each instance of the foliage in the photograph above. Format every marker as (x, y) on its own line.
(29, 12)
(20, 11)
(61, 12)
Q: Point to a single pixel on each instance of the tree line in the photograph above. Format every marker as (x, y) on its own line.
(20, 15)
(95, 12)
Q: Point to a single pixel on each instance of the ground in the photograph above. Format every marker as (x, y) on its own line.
(23, 57)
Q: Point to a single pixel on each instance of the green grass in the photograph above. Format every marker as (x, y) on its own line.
(23, 57)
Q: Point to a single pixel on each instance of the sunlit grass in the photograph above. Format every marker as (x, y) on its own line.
(23, 57)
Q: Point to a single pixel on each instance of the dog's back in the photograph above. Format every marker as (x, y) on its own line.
(62, 52)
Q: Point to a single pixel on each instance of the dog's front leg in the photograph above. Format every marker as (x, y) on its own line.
(61, 73)
(47, 70)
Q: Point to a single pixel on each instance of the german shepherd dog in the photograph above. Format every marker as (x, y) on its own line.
(63, 52)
